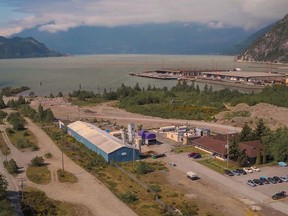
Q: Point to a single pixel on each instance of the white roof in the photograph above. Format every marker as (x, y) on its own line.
(96, 136)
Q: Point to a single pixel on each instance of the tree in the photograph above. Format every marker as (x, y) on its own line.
(277, 143)
(16, 120)
(37, 161)
(246, 133)
(49, 116)
(258, 159)
(60, 94)
(137, 87)
(3, 187)
(11, 166)
(32, 94)
(260, 129)
(234, 151)
(41, 113)
(21, 100)
(197, 89)
(242, 160)
(2, 104)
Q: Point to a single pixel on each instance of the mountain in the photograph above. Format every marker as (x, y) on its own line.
(245, 44)
(270, 47)
(17, 47)
(170, 38)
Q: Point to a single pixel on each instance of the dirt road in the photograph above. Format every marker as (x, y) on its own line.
(106, 111)
(88, 191)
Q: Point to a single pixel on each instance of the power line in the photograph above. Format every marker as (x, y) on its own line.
(21, 180)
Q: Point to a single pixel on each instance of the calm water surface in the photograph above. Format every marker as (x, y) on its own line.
(96, 72)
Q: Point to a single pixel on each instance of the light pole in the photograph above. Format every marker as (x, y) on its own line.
(227, 146)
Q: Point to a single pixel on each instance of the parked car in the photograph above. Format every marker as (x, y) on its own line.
(172, 164)
(277, 179)
(158, 156)
(279, 195)
(271, 180)
(284, 178)
(228, 172)
(241, 171)
(198, 155)
(248, 170)
(192, 175)
(258, 181)
(192, 154)
(251, 183)
(264, 180)
(255, 169)
(235, 172)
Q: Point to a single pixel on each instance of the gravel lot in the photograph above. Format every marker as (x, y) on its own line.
(235, 186)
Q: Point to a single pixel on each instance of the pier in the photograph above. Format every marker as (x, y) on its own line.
(236, 77)
(173, 74)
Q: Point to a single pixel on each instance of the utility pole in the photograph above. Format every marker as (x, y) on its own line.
(62, 155)
(22, 187)
(227, 146)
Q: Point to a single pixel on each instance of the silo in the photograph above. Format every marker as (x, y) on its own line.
(131, 132)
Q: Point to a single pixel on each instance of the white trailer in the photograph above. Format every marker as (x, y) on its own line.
(191, 175)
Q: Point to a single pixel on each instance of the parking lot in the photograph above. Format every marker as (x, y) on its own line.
(231, 184)
(267, 189)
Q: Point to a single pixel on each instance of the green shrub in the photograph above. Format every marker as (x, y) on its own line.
(11, 166)
(37, 161)
(128, 197)
(48, 155)
(143, 168)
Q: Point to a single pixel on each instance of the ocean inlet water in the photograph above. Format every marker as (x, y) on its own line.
(99, 72)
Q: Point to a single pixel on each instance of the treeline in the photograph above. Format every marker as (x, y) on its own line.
(5, 205)
(21, 106)
(9, 91)
(184, 101)
(275, 146)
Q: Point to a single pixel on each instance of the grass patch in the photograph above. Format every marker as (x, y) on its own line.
(38, 175)
(22, 139)
(87, 101)
(231, 115)
(37, 203)
(2, 116)
(3, 147)
(218, 165)
(189, 149)
(65, 176)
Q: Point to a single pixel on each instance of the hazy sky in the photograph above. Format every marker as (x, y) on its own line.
(60, 15)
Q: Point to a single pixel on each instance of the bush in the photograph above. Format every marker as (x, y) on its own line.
(37, 161)
(37, 203)
(128, 197)
(11, 166)
(143, 168)
(48, 155)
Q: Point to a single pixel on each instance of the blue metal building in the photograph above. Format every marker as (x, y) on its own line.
(110, 147)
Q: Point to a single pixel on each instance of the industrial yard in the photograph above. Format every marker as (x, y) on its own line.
(111, 119)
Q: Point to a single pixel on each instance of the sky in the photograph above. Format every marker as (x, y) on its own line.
(61, 15)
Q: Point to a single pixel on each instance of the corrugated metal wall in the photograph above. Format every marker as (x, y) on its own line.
(123, 154)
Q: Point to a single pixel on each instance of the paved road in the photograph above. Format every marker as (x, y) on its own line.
(237, 189)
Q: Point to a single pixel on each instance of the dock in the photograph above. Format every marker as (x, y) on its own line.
(235, 77)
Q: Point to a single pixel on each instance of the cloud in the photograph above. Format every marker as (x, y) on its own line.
(65, 14)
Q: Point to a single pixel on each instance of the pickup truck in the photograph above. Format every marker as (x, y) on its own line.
(191, 175)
